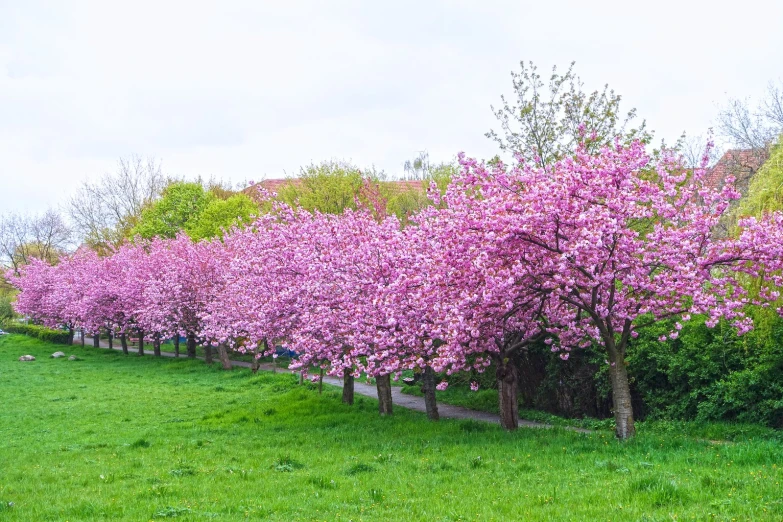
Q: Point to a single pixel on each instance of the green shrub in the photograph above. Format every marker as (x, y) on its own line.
(711, 374)
(39, 332)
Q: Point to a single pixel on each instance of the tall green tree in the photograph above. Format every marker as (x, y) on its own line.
(180, 202)
(329, 187)
(199, 212)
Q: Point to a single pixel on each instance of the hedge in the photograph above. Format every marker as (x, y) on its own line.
(39, 332)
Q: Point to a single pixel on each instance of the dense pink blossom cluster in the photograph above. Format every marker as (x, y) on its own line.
(586, 251)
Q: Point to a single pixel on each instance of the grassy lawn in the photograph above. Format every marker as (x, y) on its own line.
(110, 437)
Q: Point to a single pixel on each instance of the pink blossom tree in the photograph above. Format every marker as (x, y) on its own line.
(613, 240)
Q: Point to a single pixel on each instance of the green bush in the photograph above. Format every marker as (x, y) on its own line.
(39, 332)
(711, 374)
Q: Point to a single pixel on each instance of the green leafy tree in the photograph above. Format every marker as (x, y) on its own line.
(329, 187)
(333, 186)
(220, 215)
(181, 201)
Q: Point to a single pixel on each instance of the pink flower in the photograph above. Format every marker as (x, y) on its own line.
(442, 385)
(474, 386)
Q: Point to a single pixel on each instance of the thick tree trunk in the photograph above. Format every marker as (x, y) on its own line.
(508, 393)
(141, 342)
(96, 340)
(124, 343)
(383, 384)
(70, 334)
(176, 345)
(191, 345)
(321, 381)
(428, 387)
(223, 354)
(208, 354)
(111, 339)
(621, 398)
(82, 336)
(156, 345)
(347, 386)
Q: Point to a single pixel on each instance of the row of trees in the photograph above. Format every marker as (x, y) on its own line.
(586, 250)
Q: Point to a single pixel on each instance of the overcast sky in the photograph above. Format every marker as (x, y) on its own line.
(253, 90)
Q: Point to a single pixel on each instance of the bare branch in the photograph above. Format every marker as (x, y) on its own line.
(106, 210)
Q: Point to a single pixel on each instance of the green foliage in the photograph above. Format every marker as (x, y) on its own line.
(181, 201)
(447, 470)
(38, 332)
(329, 187)
(220, 215)
(201, 213)
(765, 193)
(705, 375)
(710, 374)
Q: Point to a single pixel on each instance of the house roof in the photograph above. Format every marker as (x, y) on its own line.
(741, 164)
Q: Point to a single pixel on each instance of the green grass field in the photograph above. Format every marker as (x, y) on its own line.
(113, 437)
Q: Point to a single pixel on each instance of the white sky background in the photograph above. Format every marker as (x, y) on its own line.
(252, 90)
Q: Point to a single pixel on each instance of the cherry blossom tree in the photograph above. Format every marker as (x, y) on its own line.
(612, 241)
(586, 250)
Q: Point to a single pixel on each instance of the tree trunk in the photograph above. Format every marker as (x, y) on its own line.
(621, 398)
(176, 345)
(223, 354)
(156, 345)
(82, 336)
(256, 360)
(508, 393)
(347, 386)
(111, 339)
(383, 384)
(70, 335)
(428, 386)
(96, 340)
(208, 354)
(124, 343)
(321, 381)
(191, 346)
(141, 342)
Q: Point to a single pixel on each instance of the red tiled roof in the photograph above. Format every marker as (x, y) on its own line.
(741, 164)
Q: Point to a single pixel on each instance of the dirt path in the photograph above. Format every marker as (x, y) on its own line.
(411, 402)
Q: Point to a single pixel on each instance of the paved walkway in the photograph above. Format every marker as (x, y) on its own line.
(411, 402)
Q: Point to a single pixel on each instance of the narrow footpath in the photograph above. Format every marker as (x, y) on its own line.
(400, 399)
